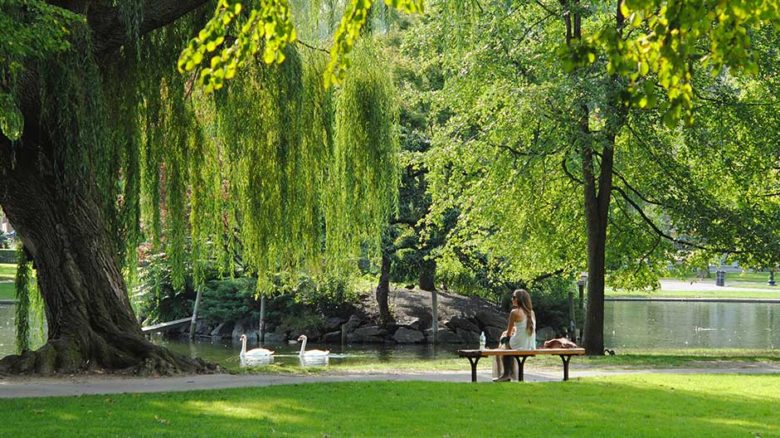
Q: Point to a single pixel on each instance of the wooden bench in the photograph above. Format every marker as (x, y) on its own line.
(520, 356)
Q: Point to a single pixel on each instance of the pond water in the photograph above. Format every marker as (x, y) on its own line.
(627, 325)
(655, 324)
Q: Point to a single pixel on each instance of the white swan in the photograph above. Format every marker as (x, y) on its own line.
(311, 353)
(256, 353)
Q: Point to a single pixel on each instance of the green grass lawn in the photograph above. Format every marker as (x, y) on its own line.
(625, 359)
(709, 293)
(7, 271)
(757, 281)
(635, 406)
(7, 291)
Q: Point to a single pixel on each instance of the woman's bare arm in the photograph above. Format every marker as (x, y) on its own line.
(513, 317)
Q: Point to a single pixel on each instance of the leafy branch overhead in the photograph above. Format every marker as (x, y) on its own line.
(269, 28)
(29, 31)
(669, 39)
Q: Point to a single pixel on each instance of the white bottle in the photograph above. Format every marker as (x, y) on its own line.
(482, 341)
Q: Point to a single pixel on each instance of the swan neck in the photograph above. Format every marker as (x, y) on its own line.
(303, 347)
(243, 346)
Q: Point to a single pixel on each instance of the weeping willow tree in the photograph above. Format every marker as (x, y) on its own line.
(101, 134)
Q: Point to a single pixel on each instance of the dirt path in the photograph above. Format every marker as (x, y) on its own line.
(83, 385)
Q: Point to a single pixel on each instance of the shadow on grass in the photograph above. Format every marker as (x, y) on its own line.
(699, 405)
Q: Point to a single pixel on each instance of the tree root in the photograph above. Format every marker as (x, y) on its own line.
(63, 357)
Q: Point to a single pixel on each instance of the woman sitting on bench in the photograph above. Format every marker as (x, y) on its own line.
(522, 326)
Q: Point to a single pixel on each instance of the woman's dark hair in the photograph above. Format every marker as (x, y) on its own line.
(524, 300)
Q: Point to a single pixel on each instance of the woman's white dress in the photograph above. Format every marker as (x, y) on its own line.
(521, 340)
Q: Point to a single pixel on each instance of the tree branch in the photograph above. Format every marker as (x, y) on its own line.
(635, 191)
(658, 231)
(568, 172)
(109, 29)
(310, 46)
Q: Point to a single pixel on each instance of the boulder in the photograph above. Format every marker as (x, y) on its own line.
(275, 338)
(491, 319)
(352, 323)
(332, 337)
(252, 335)
(443, 336)
(408, 336)
(412, 323)
(369, 331)
(493, 334)
(462, 323)
(334, 323)
(312, 334)
(468, 337)
(243, 327)
(353, 338)
(223, 330)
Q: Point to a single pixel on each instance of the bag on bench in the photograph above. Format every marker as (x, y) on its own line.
(559, 343)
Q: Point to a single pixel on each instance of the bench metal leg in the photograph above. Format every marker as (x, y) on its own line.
(473, 361)
(565, 358)
(520, 366)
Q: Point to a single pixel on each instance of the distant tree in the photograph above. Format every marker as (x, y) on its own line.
(547, 120)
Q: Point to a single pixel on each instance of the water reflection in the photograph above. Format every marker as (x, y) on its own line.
(314, 361)
(696, 325)
(256, 362)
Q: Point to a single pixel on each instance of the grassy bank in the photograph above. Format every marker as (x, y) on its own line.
(7, 272)
(639, 405)
(7, 275)
(749, 285)
(704, 293)
(625, 359)
(7, 291)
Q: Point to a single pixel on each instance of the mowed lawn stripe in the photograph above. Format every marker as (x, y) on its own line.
(632, 405)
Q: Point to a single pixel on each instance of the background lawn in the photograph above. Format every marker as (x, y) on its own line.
(7, 291)
(637, 405)
(7, 272)
(738, 285)
(7, 276)
(625, 359)
(773, 293)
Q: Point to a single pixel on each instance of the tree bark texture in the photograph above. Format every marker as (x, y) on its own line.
(90, 322)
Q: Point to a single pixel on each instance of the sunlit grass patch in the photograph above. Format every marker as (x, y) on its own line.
(7, 291)
(631, 405)
(7, 271)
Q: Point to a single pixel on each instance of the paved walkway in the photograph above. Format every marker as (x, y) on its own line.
(82, 385)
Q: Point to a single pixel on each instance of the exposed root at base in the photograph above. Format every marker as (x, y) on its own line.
(58, 357)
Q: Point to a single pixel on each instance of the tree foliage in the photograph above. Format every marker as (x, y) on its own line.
(522, 127)
(274, 165)
(672, 41)
(269, 28)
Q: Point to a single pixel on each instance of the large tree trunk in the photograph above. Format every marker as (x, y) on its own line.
(57, 216)
(597, 217)
(90, 322)
(597, 190)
